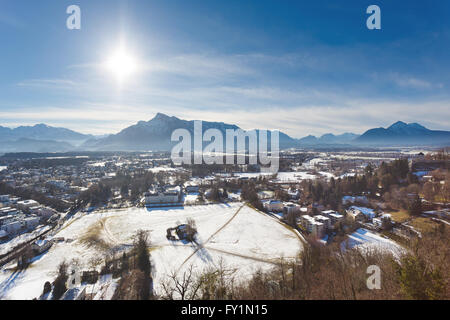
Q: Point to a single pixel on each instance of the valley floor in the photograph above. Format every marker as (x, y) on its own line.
(235, 234)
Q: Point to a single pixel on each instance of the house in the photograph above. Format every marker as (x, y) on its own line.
(356, 215)
(40, 246)
(186, 232)
(368, 214)
(273, 205)
(381, 221)
(181, 231)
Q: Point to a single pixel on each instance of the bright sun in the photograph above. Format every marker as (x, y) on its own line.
(121, 64)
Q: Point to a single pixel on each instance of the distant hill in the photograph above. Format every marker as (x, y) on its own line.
(156, 135)
(401, 133)
(328, 139)
(41, 132)
(40, 138)
(33, 145)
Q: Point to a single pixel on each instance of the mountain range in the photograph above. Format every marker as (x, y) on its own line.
(156, 135)
(42, 132)
(401, 133)
(40, 138)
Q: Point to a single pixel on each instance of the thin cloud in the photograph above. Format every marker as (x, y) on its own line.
(48, 83)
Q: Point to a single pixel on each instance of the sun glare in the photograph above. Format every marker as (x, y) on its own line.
(121, 64)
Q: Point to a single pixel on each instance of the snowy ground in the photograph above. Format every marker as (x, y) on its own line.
(243, 238)
(190, 198)
(366, 240)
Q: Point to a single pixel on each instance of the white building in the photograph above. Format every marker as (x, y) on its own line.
(26, 204)
(162, 195)
(290, 207)
(8, 211)
(42, 211)
(314, 227)
(273, 205)
(361, 213)
(325, 220)
(328, 212)
(12, 227)
(30, 222)
(335, 217)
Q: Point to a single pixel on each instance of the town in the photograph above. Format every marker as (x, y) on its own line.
(370, 198)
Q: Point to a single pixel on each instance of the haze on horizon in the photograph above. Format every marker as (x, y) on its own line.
(304, 68)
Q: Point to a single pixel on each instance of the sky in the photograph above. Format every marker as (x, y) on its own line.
(304, 67)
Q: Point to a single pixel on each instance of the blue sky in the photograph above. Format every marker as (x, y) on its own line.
(304, 67)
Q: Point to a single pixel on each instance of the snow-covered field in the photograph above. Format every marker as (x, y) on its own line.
(294, 176)
(369, 241)
(243, 238)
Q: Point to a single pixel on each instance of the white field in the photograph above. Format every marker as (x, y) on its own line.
(243, 238)
(368, 241)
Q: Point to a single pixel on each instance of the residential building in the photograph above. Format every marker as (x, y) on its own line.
(290, 207)
(26, 204)
(162, 195)
(12, 227)
(314, 227)
(273, 205)
(361, 213)
(325, 220)
(30, 222)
